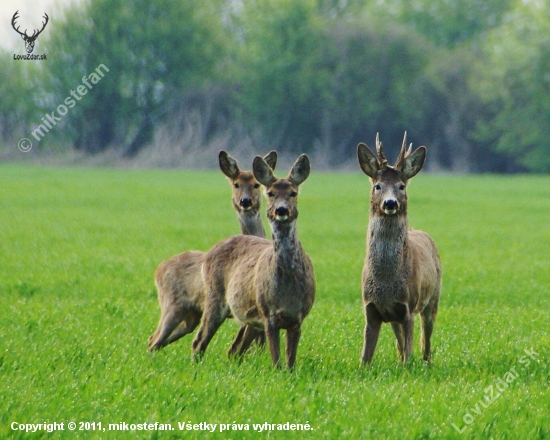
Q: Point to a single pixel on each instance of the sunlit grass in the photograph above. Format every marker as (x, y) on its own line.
(78, 249)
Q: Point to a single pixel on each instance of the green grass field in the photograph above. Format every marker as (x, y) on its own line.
(78, 248)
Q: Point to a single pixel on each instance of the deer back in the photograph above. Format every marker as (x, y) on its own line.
(179, 280)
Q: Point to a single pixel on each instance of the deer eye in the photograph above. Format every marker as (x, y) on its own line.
(293, 194)
(236, 185)
(270, 194)
(377, 187)
(256, 185)
(401, 187)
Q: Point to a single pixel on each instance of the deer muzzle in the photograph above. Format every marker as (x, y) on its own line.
(281, 213)
(390, 206)
(245, 203)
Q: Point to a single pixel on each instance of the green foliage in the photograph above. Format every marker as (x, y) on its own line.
(449, 23)
(307, 78)
(377, 72)
(284, 79)
(468, 78)
(516, 81)
(79, 248)
(154, 51)
(17, 106)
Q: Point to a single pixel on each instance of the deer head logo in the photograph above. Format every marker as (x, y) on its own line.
(29, 39)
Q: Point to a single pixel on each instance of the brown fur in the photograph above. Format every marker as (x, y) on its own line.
(179, 280)
(266, 285)
(402, 271)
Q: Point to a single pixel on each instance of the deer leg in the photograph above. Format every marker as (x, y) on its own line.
(260, 340)
(273, 338)
(238, 340)
(213, 317)
(168, 322)
(292, 339)
(426, 333)
(408, 327)
(250, 333)
(372, 330)
(427, 319)
(244, 338)
(398, 331)
(192, 320)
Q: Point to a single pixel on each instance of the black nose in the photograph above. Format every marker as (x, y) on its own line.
(246, 202)
(281, 211)
(390, 204)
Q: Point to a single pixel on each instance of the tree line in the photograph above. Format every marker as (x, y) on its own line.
(468, 78)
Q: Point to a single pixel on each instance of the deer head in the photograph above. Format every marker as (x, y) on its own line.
(281, 193)
(246, 193)
(29, 40)
(389, 183)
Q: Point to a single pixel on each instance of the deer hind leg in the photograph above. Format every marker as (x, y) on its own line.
(250, 334)
(192, 320)
(213, 317)
(292, 339)
(399, 343)
(170, 320)
(260, 340)
(244, 339)
(238, 341)
(372, 330)
(427, 318)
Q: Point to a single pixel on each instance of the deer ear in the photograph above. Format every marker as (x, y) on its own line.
(300, 170)
(228, 165)
(262, 172)
(414, 162)
(367, 160)
(271, 159)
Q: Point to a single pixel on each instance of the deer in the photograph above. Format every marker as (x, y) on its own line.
(179, 279)
(265, 285)
(29, 39)
(402, 271)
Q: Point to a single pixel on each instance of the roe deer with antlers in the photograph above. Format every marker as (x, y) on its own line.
(179, 279)
(402, 271)
(266, 285)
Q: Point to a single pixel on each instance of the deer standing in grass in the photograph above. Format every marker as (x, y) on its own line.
(265, 285)
(179, 279)
(402, 271)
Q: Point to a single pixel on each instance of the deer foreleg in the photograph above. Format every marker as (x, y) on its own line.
(292, 339)
(408, 327)
(398, 331)
(272, 333)
(372, 330)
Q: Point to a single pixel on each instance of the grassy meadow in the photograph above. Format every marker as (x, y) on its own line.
(78, 249)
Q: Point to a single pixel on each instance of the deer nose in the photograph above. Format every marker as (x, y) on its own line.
(281, 212)
(390, 206)
(246, 203)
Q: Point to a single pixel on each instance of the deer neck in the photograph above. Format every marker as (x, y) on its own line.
(251, 224)
(286, 246)
(387, 242)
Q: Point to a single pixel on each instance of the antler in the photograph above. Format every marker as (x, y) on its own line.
(403, 154)
(382, 161)
(35, 34)
(14, 18)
